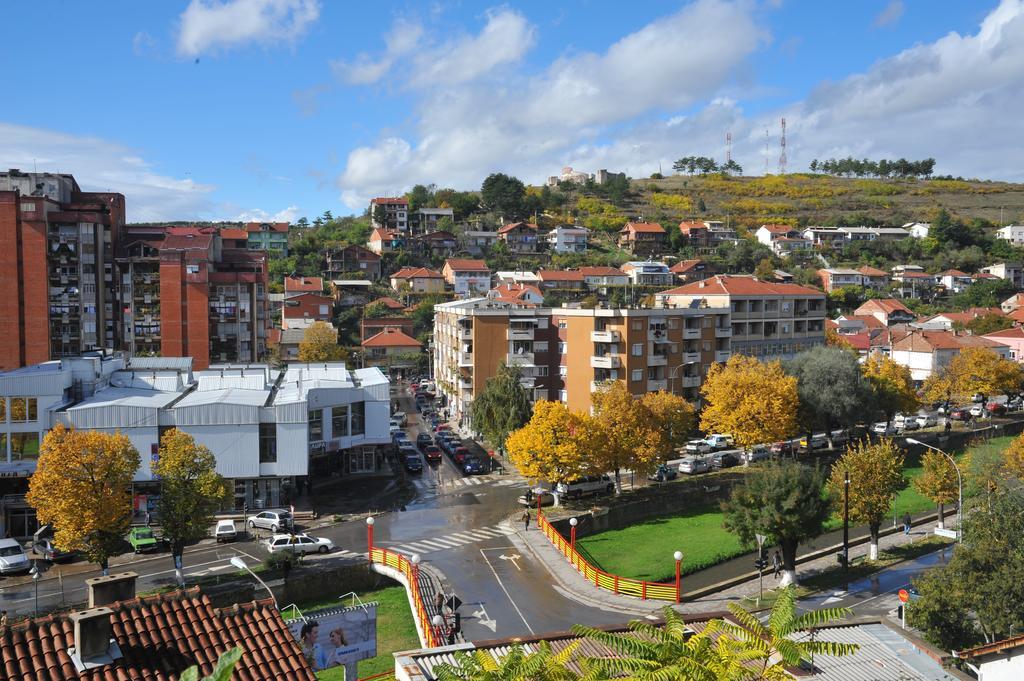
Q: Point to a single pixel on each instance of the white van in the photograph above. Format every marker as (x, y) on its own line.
(12, 557)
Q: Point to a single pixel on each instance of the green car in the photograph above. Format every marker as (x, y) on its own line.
(143, 539)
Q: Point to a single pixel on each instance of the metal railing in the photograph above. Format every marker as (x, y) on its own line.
(399, 562)
(656, 591)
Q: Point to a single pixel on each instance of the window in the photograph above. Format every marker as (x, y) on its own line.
(541, 371)
(323, 309)
(638, 349)
(191, 269)
(3, 412)
(562, 324)
(268, 443)
(638, 374)
(339, 421)
(561, 347)
(707, 346)
(23, 409)
(358, 418)
(24, 446)
(652, 373)
(540, 346)
(563, 371)
(316, 425)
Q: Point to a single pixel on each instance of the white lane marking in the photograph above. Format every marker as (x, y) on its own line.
(507, 594)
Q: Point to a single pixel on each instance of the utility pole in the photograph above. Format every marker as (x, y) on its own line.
(846, 522)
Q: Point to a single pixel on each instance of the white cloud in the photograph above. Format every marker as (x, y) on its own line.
(103, 165)
(365, 70)
(890, 14)
(209, 25)
(143, 43)
(289, 214)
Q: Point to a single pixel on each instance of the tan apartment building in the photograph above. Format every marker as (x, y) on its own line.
(565, 353)
(768, 320)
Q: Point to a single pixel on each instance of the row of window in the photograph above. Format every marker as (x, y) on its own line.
(24, 446)
(22, 409)
(346, 420)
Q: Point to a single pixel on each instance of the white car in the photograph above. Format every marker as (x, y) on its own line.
(225, 531)
(719, 440)
(977, 411)
(299, 543)
(694, 464)
(927, 420)
(698, 447)
(883, 428)
(757, 453)
(909, 424)
(12, 557)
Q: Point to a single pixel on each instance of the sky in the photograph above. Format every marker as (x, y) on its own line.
(278, 109)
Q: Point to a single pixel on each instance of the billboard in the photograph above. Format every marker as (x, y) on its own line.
(338, 637)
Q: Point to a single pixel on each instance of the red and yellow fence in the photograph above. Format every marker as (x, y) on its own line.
(399, 562)
(658, 591)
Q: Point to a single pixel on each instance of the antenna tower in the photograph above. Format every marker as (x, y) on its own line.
(728, 148)
(782, 149)
(766, 150)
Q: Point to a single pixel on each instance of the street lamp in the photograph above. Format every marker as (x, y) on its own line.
(415, 560)
(438, 622)
(678, 555)
(37, 574)
(572, 533)
(672, 377)
(960, 486)
(369, 537)
(240, 564)
(846, 522)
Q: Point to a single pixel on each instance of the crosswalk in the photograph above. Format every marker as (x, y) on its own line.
(430, 485)
(453, 540)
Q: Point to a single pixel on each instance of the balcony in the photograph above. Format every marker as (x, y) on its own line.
(691, 357)
(528, 382)
(520, 359)
(656, 360)
(465, 333)
(655, 386)
(465, 359)
(690, 381)
(513, 334)
(607, 336)
(691, 333)
(723, 331)
(605, 362)
(658, 335)
(722, 355)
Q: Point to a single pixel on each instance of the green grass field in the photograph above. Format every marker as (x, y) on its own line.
(644, 550)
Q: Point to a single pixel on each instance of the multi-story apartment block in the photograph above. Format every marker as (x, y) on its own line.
(768, 320)
(56, 267)
(268, 236)
(566, 239)
(347, 261)
(390, 213)
(642, 238)
(521, 237)
(467, 277)
(566, 354)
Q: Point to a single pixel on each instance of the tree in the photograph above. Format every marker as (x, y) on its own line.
(938, 481)
(973, 371)
(191, 490)
(833, 339)
(984, 293)
(222, 672)
(82, 486)
(891, 385)
(752, 401)
(832, 391)
(553, 446)
(628, 436)
(782, 500)
(984, 472)
(516, 665)
(503, 194)
(765, 270)
(674, 417)
(503, 406)
(988, 323)
(320, 344)
(875, 471)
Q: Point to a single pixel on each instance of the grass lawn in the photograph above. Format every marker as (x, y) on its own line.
(644, 550)
(395, 630)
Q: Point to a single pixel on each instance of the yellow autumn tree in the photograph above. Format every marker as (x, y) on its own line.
(554, 444)
(1013, 458)
(876, 474)
(628, 433)
(891, 384)
(974, 371)
(753, 401)
(320, 344)
(674, 417)
(938, 481)
(82, 485)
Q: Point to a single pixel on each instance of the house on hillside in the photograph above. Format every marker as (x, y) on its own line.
(824, 237)
(390, 213)
(436, 243)
(568, 239)
(948, 320)
(872, 277)
(417, 280)
(1012, 233)
(648, 273)
(393, 348)
(521, 237)
(517, 294)
(477, 242)
(642, 238)
(467, 277)
(837, 277)
(695, 269)
(383, 241)
(1010, 271)
(1013, 338)
(697, 233)
(425, 220)
(766, 234)
(369, 327)
(345, 261)
(954, 280)
(927, 352)
(561, 280)
(918, 230)
(308, 307)
(599, 278)
(888, 311)
(268, 236)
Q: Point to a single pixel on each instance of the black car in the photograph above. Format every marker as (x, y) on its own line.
(423, 440)
(413, 463)
(724, 460)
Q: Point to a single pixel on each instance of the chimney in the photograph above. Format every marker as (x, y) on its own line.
(111, 589)
(93, 643)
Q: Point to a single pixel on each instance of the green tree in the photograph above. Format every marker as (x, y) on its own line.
(765, 270)
(984, 293)
(376, 310)
(517, 664)
(503, 406)
(988, 323)
(191, 490)
(782, 500)
(833, 393)
(504, 194)
(222, 672)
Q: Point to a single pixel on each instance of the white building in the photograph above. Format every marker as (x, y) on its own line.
(1012, 233)
(918, 230)
(566, 239)
(1009, 271)
(267, 428)
(648, 273)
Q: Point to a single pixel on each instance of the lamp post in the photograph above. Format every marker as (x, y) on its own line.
(960, 487)
(678, 555)
(672, 377)
(415, 560)
(438, 622)
(369, 537)
(37, 574)
(572, 533)
(846, 522)
(240, 564)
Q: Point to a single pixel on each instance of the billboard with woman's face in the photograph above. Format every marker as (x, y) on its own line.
(338, 637)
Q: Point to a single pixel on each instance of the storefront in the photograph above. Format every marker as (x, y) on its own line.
(261, 493)
(19, 519)
(326, 459)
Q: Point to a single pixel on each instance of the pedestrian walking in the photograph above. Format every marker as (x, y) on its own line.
(776, 564)
(906, 523)
(948, 426)
(439, 602)
(526, 520)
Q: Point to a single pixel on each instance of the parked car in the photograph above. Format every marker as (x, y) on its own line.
(724, 460)
(782, 447)
(698, 447)
(960, 414)
(908, 424)
(12, 557)
(664, 473)
(394, 425)
(225, 531)
(401, 418)
(719, 440)
(472, 465)
(591, 484)
(299, 543)
(432, 453)
(413, 463)
(530, 498)
(815, 442)
(441, 426)
(927, 420)
(143, 539)
(694, 464)
(977, 411)
(995, 409)
(47, 549)
(459, 455)
(423, 440)
(271, 520)
(883, 428)
(758, 453)
(1014, 403)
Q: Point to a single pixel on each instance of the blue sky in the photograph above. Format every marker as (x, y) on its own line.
(258, 109)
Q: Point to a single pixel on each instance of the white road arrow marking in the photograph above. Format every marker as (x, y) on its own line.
(514, 558)
(483, 618)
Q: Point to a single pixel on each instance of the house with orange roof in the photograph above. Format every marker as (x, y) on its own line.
(889, 311)
(389, 303)
(697, 233)
(417, 280)
(306, 308)
(1013, 338)
(954, 280)
(766, 234)
(927, 352)
(390, 213)
(695, 269)
(600, 278)
(562, 280)
(268, 236)
(517, 294)
(872, 277)
(466, 276)
(234, 237)
(642, 238)
(383, 241)
(1012, 303)
(345, 261)
(294, 286)
(949, 320)
(392, 347)
(521, 237)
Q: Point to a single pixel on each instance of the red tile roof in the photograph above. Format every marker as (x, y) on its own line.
(885, 305)
(778, 229)
(190, 240)
(927, 341)
(872, 271)
(740, 285)
(159, 637)
(686, 227)
(684, 266)
(390, 303)
(416, 273)
(602, 272)
(231, 233)
(393, 200)
(1012, 332)
(463, 264)
(379, 234)
(516, 225)
(303, 284)
(953, 273)
(984, 275)
(869, 321)
(1017, 315)
(647, 227)
(515, 293)
(274, 226)
(560, 275)
(392, 338)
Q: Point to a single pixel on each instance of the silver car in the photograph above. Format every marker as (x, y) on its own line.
(299, 544)
(271, 520)
(694, 464)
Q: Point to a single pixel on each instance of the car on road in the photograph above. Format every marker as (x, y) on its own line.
(413, 463)
(698, 447)
(12, 557)
(927, 420)
(663, 473)
(459, 455)
(908, 424)
(782, 447)
(432, 453)
(271, 520)
(143, 539)
(48, 550)
(441, 426)
(401, 418)
(299, 544)
(995, 409)
(423, 440)
(530, 498)
(977, 411)
(399, 436)
(883, 428)
(758, 453)
(815, 442)
(724, 459)
(694, 464)
(591, 484)
(225, 531)
(960, 414)
(719, 440)
(472, 465)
